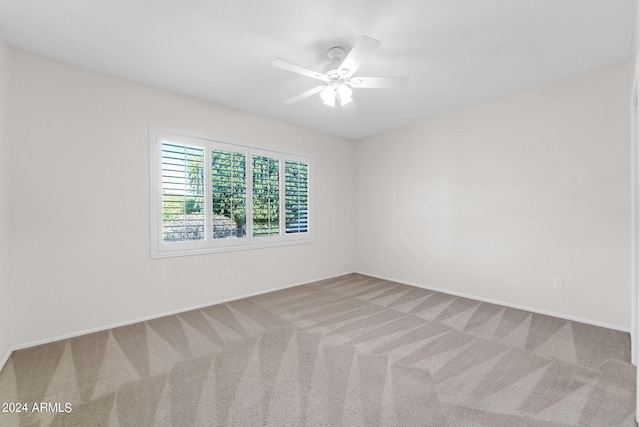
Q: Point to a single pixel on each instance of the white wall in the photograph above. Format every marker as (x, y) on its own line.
(636, 34)
(508, 195)
(5, 341)
(80, 168)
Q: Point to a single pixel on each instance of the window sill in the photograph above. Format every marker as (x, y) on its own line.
(155, 254)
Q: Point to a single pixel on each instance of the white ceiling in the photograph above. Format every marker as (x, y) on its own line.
(455, 52)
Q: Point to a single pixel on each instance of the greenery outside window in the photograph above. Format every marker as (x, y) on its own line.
(210, 196)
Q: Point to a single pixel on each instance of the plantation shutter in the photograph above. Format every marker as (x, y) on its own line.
(296, 197)
(266, 196)
(213, 196)
(229, 194)
(183, 215)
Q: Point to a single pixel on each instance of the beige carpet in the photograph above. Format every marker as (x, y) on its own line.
(353, 351)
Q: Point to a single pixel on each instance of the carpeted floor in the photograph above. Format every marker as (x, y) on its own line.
(353, 351)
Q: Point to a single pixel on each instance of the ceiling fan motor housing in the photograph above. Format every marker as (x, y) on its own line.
(336, 54)
(336, 75)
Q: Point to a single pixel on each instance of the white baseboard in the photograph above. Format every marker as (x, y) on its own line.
(152, 317)
(5, 359)
(182, 310)
(506, 304)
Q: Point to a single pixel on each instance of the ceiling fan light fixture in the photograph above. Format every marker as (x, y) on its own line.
(328, 96)
(344, 93)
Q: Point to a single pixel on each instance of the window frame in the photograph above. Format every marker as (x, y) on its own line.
(162, 249)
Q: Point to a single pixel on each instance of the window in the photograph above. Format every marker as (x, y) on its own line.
(229, 194)
(211, 196)
(266, 196)
(297, 196)
(182, 192)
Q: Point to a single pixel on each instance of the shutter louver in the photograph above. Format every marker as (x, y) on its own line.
(229, 194)
(183, 216)
(296, 197)
(266, 196)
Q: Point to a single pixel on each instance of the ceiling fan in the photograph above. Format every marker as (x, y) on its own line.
(338, 76)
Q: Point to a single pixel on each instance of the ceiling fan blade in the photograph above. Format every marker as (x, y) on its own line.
(304, 95)
(379, 82)
(289, 66)
(360, 52)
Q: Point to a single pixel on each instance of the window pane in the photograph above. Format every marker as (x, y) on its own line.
(297, 197)
(183, 217)
(266, 196)
(229, 191)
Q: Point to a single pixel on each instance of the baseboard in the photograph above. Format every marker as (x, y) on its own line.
(6, 357)
(152, 317)
(182, 310)
(503, 303)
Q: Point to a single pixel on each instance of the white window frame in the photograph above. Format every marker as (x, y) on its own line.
(161, 249)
